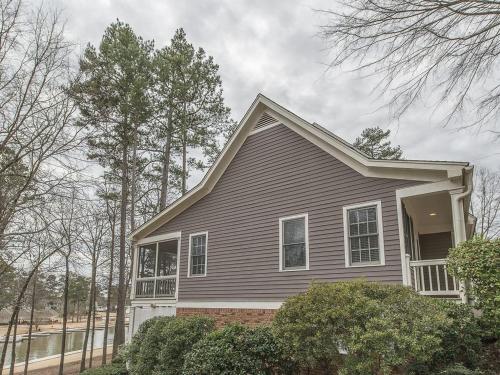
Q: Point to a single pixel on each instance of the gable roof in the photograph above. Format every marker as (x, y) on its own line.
(264, 113)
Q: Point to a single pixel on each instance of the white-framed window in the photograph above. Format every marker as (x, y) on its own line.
(363, 235)
(197, 261)
(294, 243)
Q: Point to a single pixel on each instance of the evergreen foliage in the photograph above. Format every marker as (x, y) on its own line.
(373, 142)
(478, 261)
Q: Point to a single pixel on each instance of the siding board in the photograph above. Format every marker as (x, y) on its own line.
(278, 173)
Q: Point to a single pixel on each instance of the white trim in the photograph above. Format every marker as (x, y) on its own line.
(429, 188)
(380, 229)
(402, 244)
(230, 304)
(305, 216)
(159, 238)
(177, 280)
(135, 267)
(189, 253)
(153, 302)
(265, 127)
(402, 169)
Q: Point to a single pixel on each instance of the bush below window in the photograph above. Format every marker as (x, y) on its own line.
(360, 328)
(236, 350)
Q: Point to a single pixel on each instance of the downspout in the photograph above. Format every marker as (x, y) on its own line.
(459, 213)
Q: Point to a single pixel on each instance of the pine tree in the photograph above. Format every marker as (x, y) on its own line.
(373, 142)
(190, 109)
(112, 95)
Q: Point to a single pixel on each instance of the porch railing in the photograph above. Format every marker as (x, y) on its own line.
(163, 286)
(430, 277)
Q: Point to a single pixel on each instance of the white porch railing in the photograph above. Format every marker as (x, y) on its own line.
(163, 286)
(430, 277)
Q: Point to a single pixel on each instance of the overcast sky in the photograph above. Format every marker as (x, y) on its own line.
(272, 47)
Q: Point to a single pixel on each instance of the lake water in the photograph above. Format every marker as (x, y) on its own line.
(45, 346)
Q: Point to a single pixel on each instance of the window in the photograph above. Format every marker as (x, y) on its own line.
(198, 254)
(294, 246)
(363, 235)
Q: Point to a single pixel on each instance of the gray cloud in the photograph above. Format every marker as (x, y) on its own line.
(272, 47)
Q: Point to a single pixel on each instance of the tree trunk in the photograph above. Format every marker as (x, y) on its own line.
(108, 299)
(119, 337)
(65, 315)
(184, 165)
(30, 330)
(166, 164)
(13, 316)
(133, 182)
(89, 316)
(13, 351)
(93, 329)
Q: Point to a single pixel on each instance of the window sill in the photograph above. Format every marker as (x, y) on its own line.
(195, 276)
(294, 270)
(364, 265)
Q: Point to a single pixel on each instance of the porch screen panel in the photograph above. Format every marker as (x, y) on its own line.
(146, 261)
(363, 235)
(167, 258)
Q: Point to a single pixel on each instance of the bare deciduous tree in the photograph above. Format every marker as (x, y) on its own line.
(448, 50)
(35, 111)
(486, 203)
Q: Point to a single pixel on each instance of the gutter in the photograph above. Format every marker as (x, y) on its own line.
(460, 213)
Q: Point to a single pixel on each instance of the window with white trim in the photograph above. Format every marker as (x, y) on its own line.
(294, 247)
(363, 231)
(198, 254)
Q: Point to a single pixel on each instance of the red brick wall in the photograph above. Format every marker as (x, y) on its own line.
(223, 316)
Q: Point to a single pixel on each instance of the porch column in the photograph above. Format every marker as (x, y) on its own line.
(459, 228)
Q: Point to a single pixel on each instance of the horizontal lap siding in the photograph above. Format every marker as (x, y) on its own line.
(278, 173)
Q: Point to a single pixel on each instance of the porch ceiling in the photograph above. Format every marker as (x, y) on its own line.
(431, 213)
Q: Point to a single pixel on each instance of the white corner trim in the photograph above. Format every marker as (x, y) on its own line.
(159, 238)
(189, 254)
(272, 305)
(380, 228)
(402, 244)
(262, 128)
(305, 216)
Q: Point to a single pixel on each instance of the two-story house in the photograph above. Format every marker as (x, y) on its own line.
(288, 202)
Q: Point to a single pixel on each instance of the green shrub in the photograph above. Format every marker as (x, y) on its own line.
(478, 262)
(132, 350)
(460, 341)
(111, 369)
(236, 350)
(161, 345)
(380, 328)
(459, 370)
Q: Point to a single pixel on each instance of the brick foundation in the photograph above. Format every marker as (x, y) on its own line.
(223, 316)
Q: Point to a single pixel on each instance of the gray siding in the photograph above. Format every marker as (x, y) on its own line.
(278, 173)
(435, 245)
